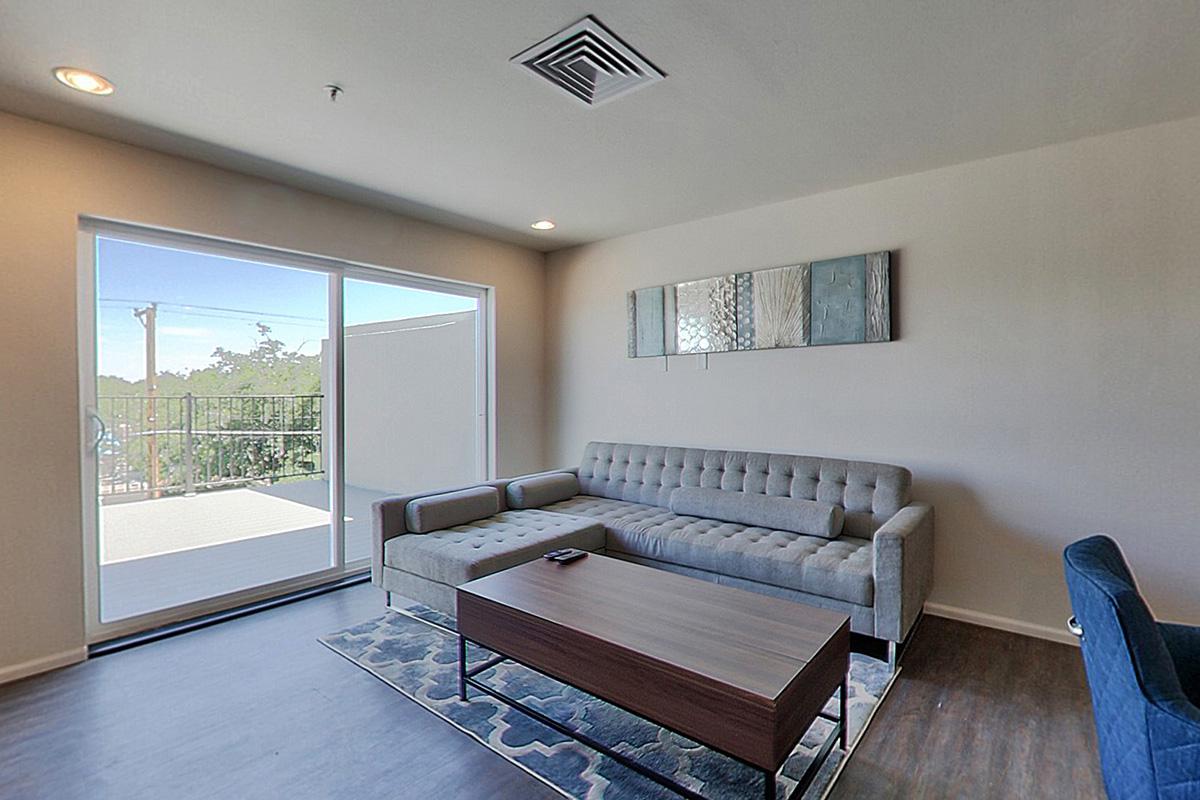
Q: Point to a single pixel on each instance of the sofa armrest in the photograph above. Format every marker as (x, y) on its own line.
(903, 570)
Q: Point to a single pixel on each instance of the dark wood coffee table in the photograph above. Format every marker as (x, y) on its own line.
(739, 672)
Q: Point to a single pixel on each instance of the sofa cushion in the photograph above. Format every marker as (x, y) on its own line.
(436, 511)
(778, 513)
(610, 512)
(481, 547)
(839, 568)
(540, 490)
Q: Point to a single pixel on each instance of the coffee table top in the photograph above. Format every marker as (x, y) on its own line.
(747, 641)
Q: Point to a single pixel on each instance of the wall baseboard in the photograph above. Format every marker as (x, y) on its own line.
(43, 664)
(1061, 635)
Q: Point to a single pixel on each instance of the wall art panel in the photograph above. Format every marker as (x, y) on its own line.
(836, 301)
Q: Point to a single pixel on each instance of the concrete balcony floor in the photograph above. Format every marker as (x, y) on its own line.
(161, 553)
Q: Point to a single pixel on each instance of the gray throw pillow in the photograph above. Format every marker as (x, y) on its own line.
(777, 513)
(542, 490)
(436, 511)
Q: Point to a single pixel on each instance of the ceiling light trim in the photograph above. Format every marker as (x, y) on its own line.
(83, 80)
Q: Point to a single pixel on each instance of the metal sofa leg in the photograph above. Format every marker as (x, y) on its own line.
(896, 649)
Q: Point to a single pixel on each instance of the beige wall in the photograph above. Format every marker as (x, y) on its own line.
(1045, 384)
(48, 177)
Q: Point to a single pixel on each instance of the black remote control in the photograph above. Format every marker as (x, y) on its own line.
(569, 555)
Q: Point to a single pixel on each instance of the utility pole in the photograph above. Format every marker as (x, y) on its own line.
(148, 316)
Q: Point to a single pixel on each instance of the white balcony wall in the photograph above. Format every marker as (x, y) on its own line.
(411, 403)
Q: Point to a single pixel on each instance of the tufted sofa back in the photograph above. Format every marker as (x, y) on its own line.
(639, 473)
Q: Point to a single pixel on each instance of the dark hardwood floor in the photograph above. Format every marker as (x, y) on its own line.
(979, 713)
(252, 708)
(256, 708)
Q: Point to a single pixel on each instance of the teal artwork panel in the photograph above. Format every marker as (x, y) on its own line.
(839, 300)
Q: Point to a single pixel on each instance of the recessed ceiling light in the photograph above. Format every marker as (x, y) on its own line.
(83, 81)
(543, 225)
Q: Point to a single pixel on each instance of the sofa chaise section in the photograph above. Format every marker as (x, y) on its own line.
(427, 544)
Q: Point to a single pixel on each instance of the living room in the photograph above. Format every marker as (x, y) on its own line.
(830, 334)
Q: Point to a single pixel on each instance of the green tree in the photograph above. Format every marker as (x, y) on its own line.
(267, 368)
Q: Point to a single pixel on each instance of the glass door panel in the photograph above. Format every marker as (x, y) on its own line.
(211, 404)
(414, 398)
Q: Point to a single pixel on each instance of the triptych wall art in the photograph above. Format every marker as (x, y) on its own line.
(839, 301)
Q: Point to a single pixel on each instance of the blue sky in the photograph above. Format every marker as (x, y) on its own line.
(208, 301)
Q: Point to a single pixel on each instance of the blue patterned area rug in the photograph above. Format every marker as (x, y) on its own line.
(416, 653)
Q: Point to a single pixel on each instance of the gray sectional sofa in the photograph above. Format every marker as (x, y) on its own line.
(838, 534)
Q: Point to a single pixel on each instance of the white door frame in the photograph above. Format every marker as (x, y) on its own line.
(337, 270)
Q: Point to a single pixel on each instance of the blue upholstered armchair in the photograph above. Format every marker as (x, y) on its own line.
(1144, 678)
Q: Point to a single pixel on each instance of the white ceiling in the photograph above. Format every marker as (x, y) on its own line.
(765, 100)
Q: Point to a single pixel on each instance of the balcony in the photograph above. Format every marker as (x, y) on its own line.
(207, 495)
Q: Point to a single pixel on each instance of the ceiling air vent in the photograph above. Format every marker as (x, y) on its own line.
(590, 62)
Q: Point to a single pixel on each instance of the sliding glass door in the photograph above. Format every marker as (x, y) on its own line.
(244, 407)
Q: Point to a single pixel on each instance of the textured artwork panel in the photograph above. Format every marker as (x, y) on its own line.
(631, 324)
(706, 315)
(879, 306)
(782, 311)
(839, 298)
(745, 311)
(669, 317)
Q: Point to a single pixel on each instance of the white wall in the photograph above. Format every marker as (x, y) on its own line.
(410, 416)
(1045, 383)
(48, 177)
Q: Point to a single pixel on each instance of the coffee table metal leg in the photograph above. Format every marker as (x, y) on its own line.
(462, 667)
(844, 723)
(769, 785)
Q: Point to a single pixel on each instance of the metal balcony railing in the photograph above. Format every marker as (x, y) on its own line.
(157, 445)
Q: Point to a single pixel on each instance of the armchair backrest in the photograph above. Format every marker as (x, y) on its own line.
(1129, 668)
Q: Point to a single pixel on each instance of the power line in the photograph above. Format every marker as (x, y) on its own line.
(288, 321)
(209, 308)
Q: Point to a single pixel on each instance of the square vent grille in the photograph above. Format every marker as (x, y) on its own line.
(589, 62)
